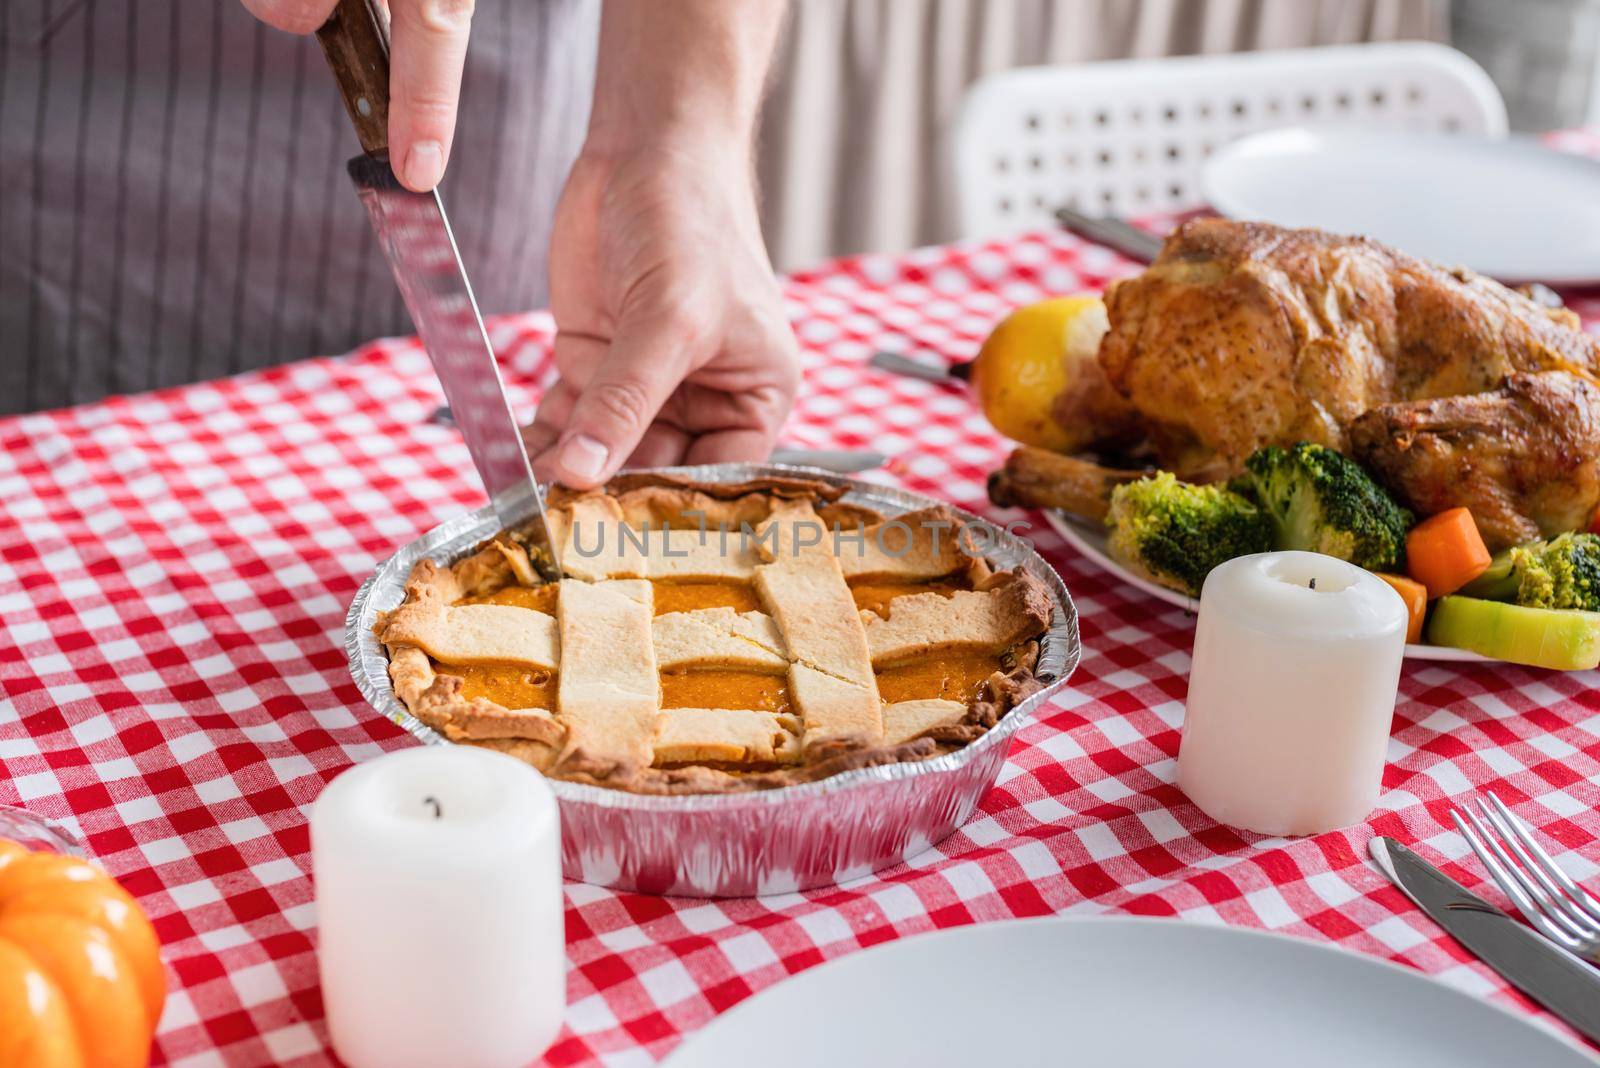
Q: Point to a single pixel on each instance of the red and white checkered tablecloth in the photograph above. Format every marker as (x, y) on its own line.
(174, 572)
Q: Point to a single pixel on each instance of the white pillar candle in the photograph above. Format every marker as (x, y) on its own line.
(1291, 693)
(439, 911)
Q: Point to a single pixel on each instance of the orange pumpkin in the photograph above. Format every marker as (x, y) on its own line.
(81, 984)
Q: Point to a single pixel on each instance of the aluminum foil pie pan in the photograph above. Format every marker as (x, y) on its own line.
(764, 841)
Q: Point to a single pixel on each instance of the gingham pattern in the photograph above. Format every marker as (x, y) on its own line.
(174, 571)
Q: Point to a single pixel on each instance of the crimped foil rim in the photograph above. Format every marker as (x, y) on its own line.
(1060, 649)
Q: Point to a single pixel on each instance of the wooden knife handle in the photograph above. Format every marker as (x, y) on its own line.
(355, 40)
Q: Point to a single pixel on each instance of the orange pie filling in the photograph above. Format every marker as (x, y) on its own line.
(538, 598)
(692, 596)
(954, 676)
(710, 688)
(513, 686)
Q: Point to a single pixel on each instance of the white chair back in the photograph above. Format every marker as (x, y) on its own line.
(1130, 136)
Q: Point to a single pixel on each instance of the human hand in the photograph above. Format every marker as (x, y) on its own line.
(671, 339)
(427, 48)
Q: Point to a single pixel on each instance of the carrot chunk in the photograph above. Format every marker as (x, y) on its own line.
(1445, 552)
(1415, 595)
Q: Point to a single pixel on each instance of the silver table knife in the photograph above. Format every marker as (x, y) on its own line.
(895, 363)
(1528, 961)
(839, 461)
(414, 233)
(1112, 232)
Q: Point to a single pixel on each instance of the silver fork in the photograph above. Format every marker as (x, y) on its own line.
(1553, 903)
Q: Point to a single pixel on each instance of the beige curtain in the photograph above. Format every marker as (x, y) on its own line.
(863, 90)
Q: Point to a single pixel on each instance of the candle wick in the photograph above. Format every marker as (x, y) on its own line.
(438, 813)
(1313, 583)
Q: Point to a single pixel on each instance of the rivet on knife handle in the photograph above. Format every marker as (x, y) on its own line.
(356, 41)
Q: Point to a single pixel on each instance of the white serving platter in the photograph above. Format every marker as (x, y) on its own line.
(1509, 208)
(1090, 539)
(1123, 992)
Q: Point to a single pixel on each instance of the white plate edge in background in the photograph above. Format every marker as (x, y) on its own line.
(1218, 191)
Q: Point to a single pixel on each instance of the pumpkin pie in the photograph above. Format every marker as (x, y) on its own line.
(709, 637)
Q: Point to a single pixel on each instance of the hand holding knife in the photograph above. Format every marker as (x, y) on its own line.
(414, 233)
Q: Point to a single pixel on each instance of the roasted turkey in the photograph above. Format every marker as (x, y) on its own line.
(1525, 458)
(1241, 335)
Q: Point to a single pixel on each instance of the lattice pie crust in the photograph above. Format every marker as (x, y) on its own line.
(712, 636)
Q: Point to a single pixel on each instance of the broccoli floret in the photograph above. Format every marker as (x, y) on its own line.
(1323, 502)
(1176, 533)
(1563, 572)
(1498, 583)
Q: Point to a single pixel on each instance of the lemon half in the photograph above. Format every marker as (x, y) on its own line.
(1033, 355)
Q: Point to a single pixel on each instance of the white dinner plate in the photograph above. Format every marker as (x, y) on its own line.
(1509, 208)
(1090, 539)
(1119, 992)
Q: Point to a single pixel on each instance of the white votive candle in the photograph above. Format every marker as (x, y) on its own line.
(1291, 693)
(439, 912)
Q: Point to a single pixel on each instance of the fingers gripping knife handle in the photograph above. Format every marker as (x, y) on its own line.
(356, 41)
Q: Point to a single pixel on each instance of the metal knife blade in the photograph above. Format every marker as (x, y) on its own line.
(414, 232)
(895, 363)
(1528, 961)
(839, 461)
(1112, 232)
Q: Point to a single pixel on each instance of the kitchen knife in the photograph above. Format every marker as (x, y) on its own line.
(1528, 961)
(414, 233)
(1112, 232)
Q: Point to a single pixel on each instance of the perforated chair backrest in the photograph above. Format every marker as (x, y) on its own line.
(1130, 136)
